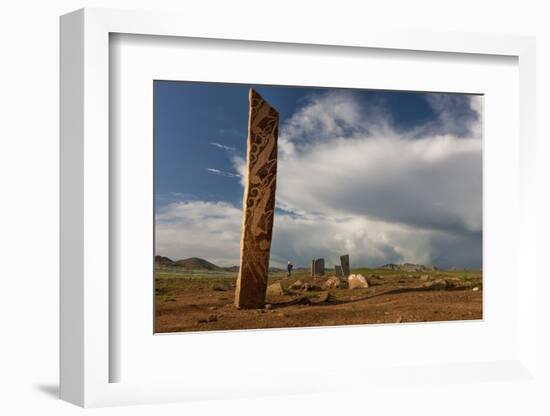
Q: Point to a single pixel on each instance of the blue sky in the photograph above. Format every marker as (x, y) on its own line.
(329, 138)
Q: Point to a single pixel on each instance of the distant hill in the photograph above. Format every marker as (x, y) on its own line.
(194, 263)
(163, 261)
(408, 267)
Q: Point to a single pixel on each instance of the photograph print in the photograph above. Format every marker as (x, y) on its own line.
(289, 206)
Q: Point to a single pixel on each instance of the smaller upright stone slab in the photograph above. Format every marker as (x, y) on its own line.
(318, 268)
(312, 268)
(338, 270)
(344, 261)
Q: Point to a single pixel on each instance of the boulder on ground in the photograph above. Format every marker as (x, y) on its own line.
(221, 287)
(373, 280)
(334, 283)
(275, 289)
(425, 278)
(331, 283)
(357, 281)
(439, 284)
(297, 285)
(323, 297)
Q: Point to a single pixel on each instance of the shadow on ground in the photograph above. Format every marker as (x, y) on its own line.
(51, 390)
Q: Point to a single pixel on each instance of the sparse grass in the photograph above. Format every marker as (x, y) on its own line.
(167, 280)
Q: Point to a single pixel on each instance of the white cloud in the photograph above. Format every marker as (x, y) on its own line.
(209, 230)
(330, 116)
(223, 146)
(222, 173)
(459, 115)
(212, 230)
(350, 182)
(239, 165)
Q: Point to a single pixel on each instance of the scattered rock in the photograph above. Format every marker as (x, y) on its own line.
(357, 281)
(297, 285)
(425, 278)
(399, 320)
(211, 318)
(312, 287)
(332, 283)
(439, 284)
(275, 289)
(268, 306)
(212, 308)
(373, 280)
(475, 289)
(451, 284)
(323, 297)
(221, 287)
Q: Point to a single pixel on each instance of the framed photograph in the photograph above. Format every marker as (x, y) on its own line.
(229, 202)
(356, 206)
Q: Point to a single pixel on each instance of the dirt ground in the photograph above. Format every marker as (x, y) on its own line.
(206, 304)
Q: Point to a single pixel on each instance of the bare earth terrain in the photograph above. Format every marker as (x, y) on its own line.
(193, 302)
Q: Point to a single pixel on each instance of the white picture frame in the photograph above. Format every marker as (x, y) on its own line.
(85, 206)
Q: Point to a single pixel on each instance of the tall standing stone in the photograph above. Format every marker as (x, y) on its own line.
(258, 203)
(344, 261)
(313, 268)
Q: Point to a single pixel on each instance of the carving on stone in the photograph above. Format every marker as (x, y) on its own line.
(258, 203)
